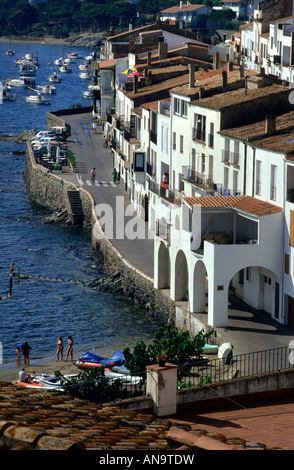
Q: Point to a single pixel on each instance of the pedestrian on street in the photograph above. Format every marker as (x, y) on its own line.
(26, 352)
(93, 175)
(94, 127)
(114, 175)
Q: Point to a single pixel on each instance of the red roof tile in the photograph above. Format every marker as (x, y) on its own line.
(246, 204)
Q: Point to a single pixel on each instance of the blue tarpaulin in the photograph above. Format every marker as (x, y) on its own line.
(117, 358)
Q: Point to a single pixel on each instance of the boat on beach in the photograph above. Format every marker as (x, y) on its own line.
(90, 360)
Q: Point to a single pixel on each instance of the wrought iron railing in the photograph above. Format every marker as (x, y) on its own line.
(240, 366)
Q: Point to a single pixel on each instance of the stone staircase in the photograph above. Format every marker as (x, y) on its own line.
(75, 207)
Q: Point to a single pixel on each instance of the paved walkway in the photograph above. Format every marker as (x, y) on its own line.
(248, 329)
(89, 152)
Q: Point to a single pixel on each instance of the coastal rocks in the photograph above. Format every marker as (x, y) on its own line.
(111, 283)
(58, 218)
(86, 40)
(22, 138)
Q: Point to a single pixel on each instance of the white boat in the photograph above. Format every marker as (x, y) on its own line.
(6, 94)
(10, 52)
(85, 75)
(55, 78)
(65, 69)
(58, 61)
(37, 99)
(74, 55)
(87, 94)
(27, 70)
(47, 89)
(83, 67)
(22, 82)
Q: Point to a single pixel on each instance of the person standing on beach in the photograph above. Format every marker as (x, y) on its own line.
(59, 349)
(26, 352)
(69, 349)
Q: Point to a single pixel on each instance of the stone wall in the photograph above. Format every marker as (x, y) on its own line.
(50, 190)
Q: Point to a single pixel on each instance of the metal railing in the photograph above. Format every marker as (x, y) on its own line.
(240, 366)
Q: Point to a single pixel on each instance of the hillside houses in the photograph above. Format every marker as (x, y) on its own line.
(205, 153)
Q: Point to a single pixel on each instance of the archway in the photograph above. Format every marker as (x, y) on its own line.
(200, 288)
(181, 277)
(163, 267)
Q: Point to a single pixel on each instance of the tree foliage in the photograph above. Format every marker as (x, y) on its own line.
(177, 348)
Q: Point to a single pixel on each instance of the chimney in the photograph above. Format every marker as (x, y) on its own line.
(181, 5)
(191, 75)
(135, 84)
(162, 49)
(270, 124)
(216, 61)
(201, 92)
(224, 81)
(149, 58)
(230, 66)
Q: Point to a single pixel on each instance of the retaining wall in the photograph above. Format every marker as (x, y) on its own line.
(50, 190)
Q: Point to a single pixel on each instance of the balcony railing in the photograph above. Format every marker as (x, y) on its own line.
(230, 158)
(203, 181)
(163, 192)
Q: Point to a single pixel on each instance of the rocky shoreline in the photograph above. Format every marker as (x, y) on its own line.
(22, 138)
(93, 40)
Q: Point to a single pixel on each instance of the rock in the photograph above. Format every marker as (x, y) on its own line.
(22, 138)
(86, 39)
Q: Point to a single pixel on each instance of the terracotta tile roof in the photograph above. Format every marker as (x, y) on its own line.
(36, 420)
(281, 141)
(246, 204)
(212, 80)
(105, 64)
(226, 100)
(185, 7)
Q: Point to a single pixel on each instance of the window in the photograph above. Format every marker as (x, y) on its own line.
(180, 107)
(139, 161)
(273, 194)
(181, 143)
(291, 238)
(226, 177)
(211, 135)
(286, 263)
(199, 128)
(174, 141)
(258, 178)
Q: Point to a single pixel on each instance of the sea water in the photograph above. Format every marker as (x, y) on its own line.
(41, 310)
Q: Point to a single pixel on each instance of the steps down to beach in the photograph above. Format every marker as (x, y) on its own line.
(76, 207)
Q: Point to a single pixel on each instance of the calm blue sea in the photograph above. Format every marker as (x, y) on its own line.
(41, 311)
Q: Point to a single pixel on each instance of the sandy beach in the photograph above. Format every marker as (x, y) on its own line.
(47, 368)
(30, 40)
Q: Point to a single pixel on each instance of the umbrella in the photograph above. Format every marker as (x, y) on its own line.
(128, 71)
(136, 74)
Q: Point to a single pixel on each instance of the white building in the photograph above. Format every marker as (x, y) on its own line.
(234, 247)
(185, 12)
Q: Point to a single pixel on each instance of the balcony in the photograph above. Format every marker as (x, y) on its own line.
(164, 192)
(230, 158)
(198, 135)
(199, 179)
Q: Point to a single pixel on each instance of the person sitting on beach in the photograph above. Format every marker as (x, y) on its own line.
(23, 376)
(59, 350)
